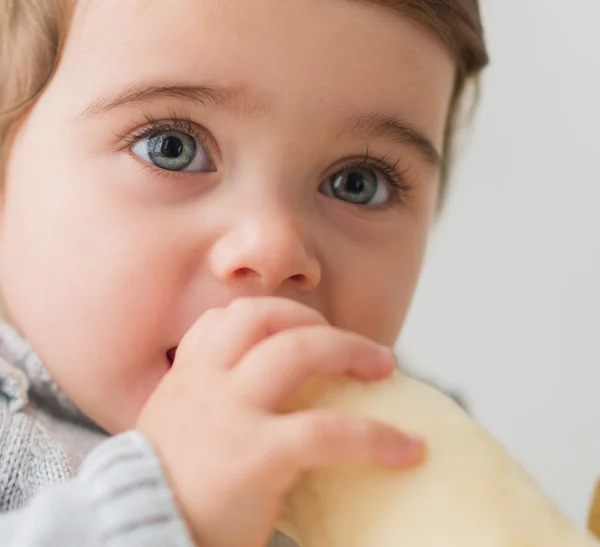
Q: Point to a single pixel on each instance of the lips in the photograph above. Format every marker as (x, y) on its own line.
(171, 355)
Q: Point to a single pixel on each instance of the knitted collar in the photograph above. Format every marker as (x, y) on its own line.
(24, 378)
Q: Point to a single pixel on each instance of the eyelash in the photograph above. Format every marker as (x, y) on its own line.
(386, 166)
(153, 127)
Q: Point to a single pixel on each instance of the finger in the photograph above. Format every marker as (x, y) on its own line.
(276, 369)
(223, 335)
(316, 439)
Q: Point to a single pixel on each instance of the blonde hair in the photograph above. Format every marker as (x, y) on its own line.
(32, 33)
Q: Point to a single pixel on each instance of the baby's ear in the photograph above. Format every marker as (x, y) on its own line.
(594, 514)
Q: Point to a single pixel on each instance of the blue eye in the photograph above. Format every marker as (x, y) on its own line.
(360, 185)
(174, 151)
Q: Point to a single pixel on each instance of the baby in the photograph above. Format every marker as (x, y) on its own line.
(204, 205)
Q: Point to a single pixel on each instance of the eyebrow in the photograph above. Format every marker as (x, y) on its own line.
(232, 99)
(393, 129)
(236, 101)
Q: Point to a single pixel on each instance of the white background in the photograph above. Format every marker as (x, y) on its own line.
(508, 310)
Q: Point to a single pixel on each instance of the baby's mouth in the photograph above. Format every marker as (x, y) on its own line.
(171, 355)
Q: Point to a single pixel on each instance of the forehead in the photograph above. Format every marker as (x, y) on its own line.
(325, 55)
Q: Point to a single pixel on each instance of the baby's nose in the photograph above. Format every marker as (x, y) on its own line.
(269, 250)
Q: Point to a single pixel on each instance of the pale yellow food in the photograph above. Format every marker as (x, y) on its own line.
(468, 493)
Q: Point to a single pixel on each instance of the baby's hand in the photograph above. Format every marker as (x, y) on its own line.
(216, 419)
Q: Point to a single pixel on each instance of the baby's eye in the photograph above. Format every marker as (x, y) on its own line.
(358, 185)
(174, 151)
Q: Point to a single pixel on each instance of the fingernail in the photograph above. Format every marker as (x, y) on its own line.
(403, 451)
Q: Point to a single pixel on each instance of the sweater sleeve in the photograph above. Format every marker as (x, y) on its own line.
(120, 498)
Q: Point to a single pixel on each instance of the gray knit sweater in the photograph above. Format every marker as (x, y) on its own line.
(64, 481)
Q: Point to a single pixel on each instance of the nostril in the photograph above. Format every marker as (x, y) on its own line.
(245, 273)
(171, 355)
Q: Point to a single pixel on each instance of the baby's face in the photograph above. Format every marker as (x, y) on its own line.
(190, 152)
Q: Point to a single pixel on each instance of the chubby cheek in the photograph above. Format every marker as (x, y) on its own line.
(373, 286)
(95, 319)
(89, 286)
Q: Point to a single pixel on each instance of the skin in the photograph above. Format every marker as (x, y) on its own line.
(106, 261)
(269, 258)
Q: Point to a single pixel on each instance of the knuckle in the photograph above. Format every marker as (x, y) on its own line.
(310, 349)
(306, 433)
(324, 426)
(333, 431)
(242, 304)
(270, 304)
(307, 340)
(295, 345)
(356, 431)
(210, 316)
(251, 309)
(351, 426)
(322, 436)
(280, 447)
(196, 332)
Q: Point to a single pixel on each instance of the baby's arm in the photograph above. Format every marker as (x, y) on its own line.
(120, 497)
